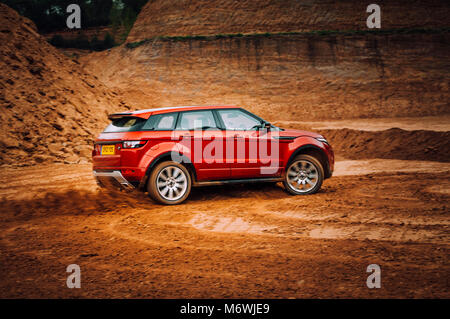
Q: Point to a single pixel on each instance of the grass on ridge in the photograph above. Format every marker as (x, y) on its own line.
(133, 45)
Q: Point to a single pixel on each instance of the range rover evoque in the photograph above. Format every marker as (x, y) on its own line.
(167, 151)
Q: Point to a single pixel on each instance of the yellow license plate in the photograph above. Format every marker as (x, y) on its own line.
(108, 149)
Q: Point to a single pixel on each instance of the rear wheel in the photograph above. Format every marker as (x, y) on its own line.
(304, 175)
(169, 183)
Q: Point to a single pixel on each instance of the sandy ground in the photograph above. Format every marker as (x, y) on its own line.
(252, 241)
(428, 123)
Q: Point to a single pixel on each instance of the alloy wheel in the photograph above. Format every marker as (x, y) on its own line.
(171, 183)
(302, 176)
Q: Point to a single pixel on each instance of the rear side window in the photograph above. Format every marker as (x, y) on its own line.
(197, 120)
(161, 122)
(125, 124)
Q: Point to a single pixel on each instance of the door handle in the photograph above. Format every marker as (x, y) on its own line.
(238, 136)
(183, 136)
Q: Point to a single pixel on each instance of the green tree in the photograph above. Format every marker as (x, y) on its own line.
(108, 41)
(57, 41)
(95, 44)
(51, 15)
(81, 42)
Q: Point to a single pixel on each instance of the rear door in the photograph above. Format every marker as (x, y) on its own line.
(200, 133)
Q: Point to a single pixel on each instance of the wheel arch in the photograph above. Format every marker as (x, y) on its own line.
(168, 156)
(314, 151)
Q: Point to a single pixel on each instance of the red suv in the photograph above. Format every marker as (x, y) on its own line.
(167, 151)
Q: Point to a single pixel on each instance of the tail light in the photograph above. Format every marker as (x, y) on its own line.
(96, 150)
(133, 144)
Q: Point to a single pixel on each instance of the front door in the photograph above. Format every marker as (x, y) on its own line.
(250, 147)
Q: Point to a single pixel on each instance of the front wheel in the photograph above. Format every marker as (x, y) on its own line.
(169, 183)
(304, 175)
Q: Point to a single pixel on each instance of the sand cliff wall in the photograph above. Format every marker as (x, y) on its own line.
(294, 77)
(51, 107)
(209, 17)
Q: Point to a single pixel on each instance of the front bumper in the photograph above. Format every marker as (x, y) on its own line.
(330, 157)
(112, 178)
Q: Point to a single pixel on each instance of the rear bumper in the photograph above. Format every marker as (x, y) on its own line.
(112, 178)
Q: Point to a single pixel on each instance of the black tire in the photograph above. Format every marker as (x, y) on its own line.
(166, 189)
(294, 180)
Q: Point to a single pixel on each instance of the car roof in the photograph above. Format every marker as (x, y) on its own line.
(147, 112)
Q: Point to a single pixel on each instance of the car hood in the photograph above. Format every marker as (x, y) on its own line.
(297, 133)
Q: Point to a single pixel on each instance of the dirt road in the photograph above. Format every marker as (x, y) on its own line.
(246, 241)
(387, 204)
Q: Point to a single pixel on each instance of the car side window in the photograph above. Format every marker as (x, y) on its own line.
(192, 120)
(237, 120)
(166, 122)
(161, 122)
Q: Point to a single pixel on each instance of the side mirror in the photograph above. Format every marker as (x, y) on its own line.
(267, 126)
